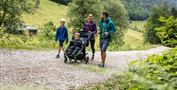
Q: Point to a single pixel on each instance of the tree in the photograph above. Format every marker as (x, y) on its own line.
(140, 9)
(37, 3)
(168, 32)
(118, 14)
(79, 10)
(10, 12)
(174, 12)
(153, 22)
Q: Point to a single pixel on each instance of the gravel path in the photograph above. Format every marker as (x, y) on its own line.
(119, 60)
(40, 68)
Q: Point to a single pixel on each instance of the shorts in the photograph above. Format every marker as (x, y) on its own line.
(104, 43)
(61, 43)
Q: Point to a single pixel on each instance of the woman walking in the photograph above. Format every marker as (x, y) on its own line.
(90, 27)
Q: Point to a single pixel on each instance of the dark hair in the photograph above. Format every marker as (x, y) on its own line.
(105, 13)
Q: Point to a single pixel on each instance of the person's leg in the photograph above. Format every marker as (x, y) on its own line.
(103, 57)
(59, 49)
(103, 51)
(62, 48)
(101, 45)
(92, 44)
(76, 49)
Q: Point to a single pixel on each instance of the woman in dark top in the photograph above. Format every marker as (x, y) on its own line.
(90, 27)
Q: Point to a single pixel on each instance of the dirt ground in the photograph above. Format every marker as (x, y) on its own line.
(41, 68)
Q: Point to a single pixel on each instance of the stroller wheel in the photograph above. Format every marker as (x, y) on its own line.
(86, 60)
(66, 59)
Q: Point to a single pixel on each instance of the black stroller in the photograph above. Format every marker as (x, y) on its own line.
(81, 54)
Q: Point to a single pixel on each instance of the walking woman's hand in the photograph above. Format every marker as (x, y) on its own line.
(99, 32)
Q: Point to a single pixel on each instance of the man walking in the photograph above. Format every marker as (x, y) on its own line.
(106, 29)
(61, 36)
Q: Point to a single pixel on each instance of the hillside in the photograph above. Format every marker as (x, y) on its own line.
(140, 9)
(51, 11)
(48, 11)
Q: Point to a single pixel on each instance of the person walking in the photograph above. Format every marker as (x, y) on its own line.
(106, 29)
(90, 27)
(61, 36)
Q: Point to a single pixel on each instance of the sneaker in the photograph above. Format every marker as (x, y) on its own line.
(101, 65)
(58, 56)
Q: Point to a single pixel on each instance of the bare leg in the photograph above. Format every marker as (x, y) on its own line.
(62, 49)
(103, 57)
(58, 55)
(59, 49)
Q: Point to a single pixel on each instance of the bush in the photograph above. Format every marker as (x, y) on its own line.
(44, 40)
(48, 30)
(157, 72)
(168, 32)
(153, 22)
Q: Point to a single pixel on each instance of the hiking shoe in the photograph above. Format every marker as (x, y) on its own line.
(101, 65)
(58, 56)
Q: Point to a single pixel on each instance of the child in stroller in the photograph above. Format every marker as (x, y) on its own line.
(75, 45)
(76, 48)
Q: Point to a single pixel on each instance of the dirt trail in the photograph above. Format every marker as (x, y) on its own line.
(119, 60)
(40, 68)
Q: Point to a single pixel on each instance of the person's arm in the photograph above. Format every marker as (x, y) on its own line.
(94, 29)
(84, 28)
(67, 35)
(56, 35)
(99, 28)
(112, 30)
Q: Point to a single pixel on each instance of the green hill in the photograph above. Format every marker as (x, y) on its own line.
(140, 9)
(48, 11)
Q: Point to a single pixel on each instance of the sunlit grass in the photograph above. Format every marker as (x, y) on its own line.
(47, 11)
(138, 25)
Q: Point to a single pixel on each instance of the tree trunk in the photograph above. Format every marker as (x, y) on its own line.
(4, 13)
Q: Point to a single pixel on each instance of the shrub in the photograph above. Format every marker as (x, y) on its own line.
(157, 72)
(168, 32)
(48, 30)
(153, 22)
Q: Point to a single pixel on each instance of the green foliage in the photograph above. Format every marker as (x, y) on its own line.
(118, 15)
(153, 22)
(10, 12)
(168, 32)
(48, 31)
(157, 72)
(174, 12)
(79, 10)
(44, 39)
(139, 9)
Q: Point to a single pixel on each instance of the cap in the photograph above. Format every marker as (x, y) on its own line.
(62, 19)
(90, 15)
